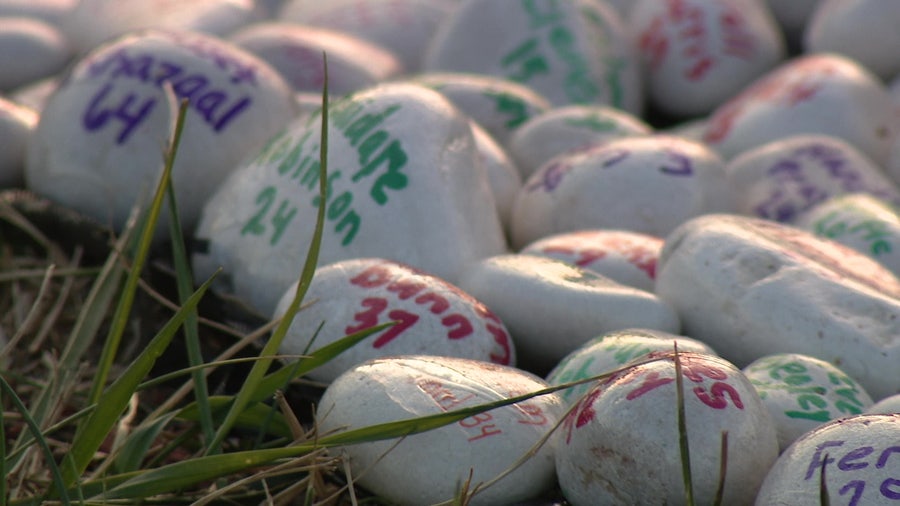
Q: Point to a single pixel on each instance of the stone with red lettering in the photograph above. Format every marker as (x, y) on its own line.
(860, 221)
(552, 308)
(404, 27)
(803, 392)
(858, 456)
(98, 147)
(814, 94)
(430, 467)
(499, 105)
(296, 52)
(619, 445)
(750, 287)
(864, 30)
(404, 183)
(433, 317)
(570, 52)
(611, 351)
(648, 185)
(887, 406)
(572, 127)
(697, 54)
(503, 175)
(622, 256)
(32, 50)
(16, 127)
(782, 179)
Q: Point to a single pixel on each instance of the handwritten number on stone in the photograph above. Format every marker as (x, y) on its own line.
(369, 318)
(282, 218)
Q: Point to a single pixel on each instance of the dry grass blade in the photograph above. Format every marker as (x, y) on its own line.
(683, 445)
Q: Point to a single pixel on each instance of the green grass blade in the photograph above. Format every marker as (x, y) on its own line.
(115, 398)
(135, 448)
(682, 433)
(257, 372)
(2, 452)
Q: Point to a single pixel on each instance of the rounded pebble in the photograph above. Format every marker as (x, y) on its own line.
(16, 127)
(32, 50)
(887, 406)
(503, 176)
(428, 468)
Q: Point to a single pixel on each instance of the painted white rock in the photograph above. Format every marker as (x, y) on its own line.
(551, 307)
(575, 52)
(697, 54)
(859, 221)
(50, 11)
(803, 392)
(435, 317)
(750, 287)
(568, 128)
(498, 105)
(858, 455)
(611, 351)
(782, 179)
(864, 30)
(622, 256)
(428, 468)
(405, 184)
(93, 22)
(296, 52)
(36, 94)
(32, 50)
(404, 27)
(16, 126)
(98, 147)
(644, 184)
(819, 93)
(502, 174)
(620, 444)
(887, 406)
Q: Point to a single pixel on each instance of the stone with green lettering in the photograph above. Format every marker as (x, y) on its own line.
(803, 392)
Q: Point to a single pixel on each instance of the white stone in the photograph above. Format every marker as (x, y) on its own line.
(792, 16)
(644, 184)
(503, 176)
(435, 317)
(697, 54)
(32, 50)
(98, 147)
(751, 287)
(785, 178)
(620, 443)
(551, 307)
(813, 94)
(863, 30)
(49, 11)
(498, 105)
(428, 468)
(404, 27)
(35, 95)
(296, 52)
(887, 406)
(16, 126)
(575, 52)
(859, 221)
(569, 128)
(612, 351)
(405, 184)
(803, 392)
(859, 456)
(622, 256)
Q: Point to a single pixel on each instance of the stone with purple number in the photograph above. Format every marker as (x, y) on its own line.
(405, 183)
(803, 392)
(499, 105)
(296, 52)
(860, 221)
(32, 50)
(750, 287)
(611, 351)
(619, 444)
(782, 179)
(433, 317)
(813, 94)
(622, 256)
(697, 54)
(16, 127)
(428, 468)
(567, 128)
(98, 147)
(851, 460)
(576, 52)
(648, 185)
(404, 27)
(552, 308)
